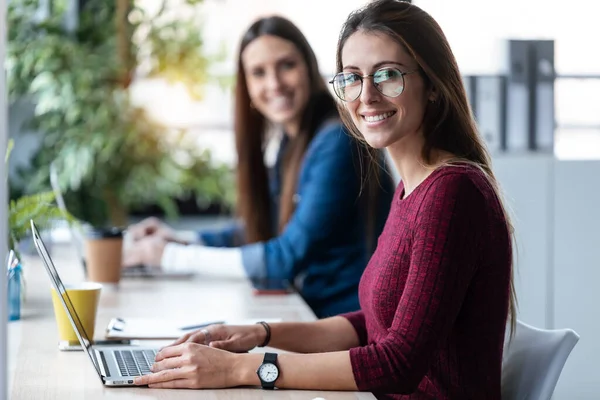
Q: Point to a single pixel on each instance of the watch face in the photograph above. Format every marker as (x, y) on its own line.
(268, 372)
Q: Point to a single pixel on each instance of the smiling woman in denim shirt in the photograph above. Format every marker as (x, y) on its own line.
(314, 217)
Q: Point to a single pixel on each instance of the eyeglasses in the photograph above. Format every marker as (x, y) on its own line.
(388, 81)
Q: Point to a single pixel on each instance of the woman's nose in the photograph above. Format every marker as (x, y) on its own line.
(369, 94)
(273, 81)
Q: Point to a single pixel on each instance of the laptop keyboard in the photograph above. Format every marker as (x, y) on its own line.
(135, 362)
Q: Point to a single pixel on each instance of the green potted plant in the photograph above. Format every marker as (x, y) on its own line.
(110, 156)
(41, 208)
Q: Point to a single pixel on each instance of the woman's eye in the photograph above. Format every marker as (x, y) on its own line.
(385, 75)
(350, 79)
(257, 73)
(287, 65)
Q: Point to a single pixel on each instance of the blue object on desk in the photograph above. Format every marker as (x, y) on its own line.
(14, 293)
(198, 326)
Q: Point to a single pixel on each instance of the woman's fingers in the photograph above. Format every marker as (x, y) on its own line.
(217, 336)
(167, 363)
(198, 337)
(224, 344)
(171, 351)
(160, 377)
(144, 228)
(221, 344)
(193, 337)
(176, 384)
(182, 339)
(189, 365)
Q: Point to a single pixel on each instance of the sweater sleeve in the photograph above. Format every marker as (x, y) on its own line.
(327, 199)
(443, 259)
(357, 319)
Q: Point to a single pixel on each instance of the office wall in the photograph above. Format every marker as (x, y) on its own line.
(556, 212)
(527, 182)
(495, 21)
(3, 205)
(577, 270)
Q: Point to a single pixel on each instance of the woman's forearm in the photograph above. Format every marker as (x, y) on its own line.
(220, 262)
(330, 334)
(322, 371)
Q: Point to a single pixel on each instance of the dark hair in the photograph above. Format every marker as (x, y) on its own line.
(253, 201)
(448, 123)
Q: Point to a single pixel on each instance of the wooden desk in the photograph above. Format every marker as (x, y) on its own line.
(38, 370)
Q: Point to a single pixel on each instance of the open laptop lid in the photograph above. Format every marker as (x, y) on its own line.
(76, 234)
(83, 337)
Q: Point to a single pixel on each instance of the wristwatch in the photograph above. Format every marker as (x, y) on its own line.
(268, 372)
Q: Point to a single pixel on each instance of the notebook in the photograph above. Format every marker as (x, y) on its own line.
(165, 329)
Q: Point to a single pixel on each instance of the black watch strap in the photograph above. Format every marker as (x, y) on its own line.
(270, 358)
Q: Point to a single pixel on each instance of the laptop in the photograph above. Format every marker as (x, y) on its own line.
(115, 365)
(77, 237)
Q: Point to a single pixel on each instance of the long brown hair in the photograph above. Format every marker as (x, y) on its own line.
(448, 123)
(253, 200)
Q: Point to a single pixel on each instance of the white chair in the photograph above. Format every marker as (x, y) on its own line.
(533, 361)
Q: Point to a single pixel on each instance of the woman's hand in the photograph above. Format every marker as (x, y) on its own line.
(146, 251)
(151, 227)
(194, 366)
(234, 338)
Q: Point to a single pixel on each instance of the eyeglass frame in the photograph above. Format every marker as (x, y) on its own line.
(362, 82)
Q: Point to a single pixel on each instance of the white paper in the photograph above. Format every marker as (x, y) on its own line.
(158, 328)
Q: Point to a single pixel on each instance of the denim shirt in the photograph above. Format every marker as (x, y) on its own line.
(323, 248)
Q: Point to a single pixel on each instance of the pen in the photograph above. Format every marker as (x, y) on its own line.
(190, 327)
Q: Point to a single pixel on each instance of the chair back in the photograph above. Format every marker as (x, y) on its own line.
(533, 361)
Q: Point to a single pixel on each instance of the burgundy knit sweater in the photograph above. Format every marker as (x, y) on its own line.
(434, 297)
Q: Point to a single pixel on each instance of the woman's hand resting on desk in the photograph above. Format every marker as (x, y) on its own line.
(234, 338)
(192, 366)
(190, 363)
(152, 227)
(146, 251)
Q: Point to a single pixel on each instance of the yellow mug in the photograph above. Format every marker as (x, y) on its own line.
(84, 298)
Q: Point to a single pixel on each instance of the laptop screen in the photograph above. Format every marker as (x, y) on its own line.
(76, 234)
(64, 297)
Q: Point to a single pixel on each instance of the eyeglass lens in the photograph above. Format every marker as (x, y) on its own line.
(389, 81)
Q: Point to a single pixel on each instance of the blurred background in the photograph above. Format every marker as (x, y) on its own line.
(133, 107)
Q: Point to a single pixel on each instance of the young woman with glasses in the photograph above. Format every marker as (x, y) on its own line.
(313, 218)
(437, 293)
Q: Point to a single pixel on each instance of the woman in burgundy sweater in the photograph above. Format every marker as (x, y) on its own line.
(437, 293)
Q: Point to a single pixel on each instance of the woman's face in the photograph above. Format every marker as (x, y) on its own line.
(383, 120)
(277, 79)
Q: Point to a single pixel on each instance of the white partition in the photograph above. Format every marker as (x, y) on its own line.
(527, 184)
(556, 208)
(577, 266)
